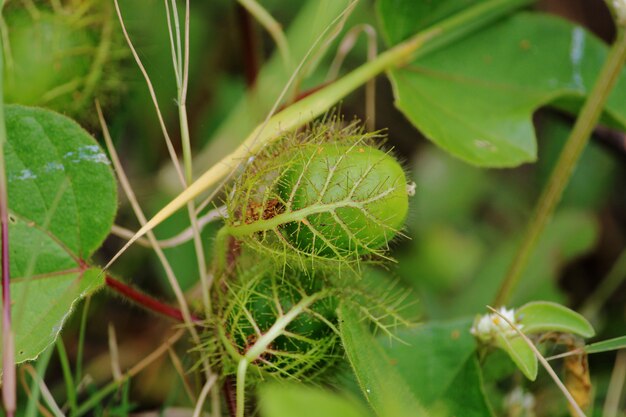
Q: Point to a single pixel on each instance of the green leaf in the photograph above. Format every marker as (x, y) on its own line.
(545, 316)
(520, 353)
(380, 382)
(442, 353)
(288, 400)
(41, 307)
(607, 345)
(475, 99)
(435, 352)
(62, 200)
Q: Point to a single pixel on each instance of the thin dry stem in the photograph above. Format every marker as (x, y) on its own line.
(116, 370)
(178, 365)
(168, 141)
(203, 394)
(183, 237)
(119, 169)
(45, 392)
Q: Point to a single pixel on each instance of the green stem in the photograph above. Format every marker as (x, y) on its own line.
(305, 110)
(241, 386)
(551, 195)
(70, 386)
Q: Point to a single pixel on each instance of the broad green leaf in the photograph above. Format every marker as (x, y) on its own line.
(380, 382)
(607, 345)
(520, 353)
(62, 200)
(475, 99)
(434, 352)
(545, 316)
(437, 361)
(289, 400)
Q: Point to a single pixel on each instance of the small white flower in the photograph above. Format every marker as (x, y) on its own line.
(489, 325)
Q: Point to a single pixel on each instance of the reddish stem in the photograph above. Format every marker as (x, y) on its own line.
(146, 301)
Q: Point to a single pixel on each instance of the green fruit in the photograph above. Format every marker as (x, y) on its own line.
(363, 189)
(308, 343)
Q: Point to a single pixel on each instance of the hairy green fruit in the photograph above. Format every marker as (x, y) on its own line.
(303, 346)
(327, 194)
(365, 187)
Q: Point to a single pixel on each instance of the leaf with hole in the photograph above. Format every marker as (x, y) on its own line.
(62, 200)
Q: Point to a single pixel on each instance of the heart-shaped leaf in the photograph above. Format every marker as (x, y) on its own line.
(62, 200)
(475, 98)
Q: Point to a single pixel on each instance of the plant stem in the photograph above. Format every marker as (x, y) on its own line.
(551, 195)
(241, 387)
(320, 101)
(70, 385)
(145, 301)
